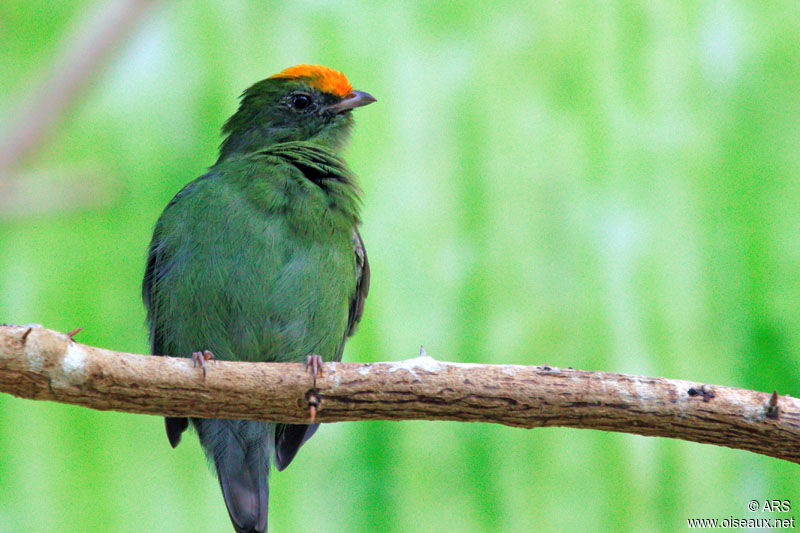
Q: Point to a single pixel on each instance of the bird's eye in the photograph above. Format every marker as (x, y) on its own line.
(300, 102)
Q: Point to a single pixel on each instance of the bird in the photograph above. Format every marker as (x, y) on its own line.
(261, 259)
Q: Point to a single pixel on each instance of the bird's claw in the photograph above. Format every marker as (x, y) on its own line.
(313, 399)
(201, 358)
(314, 362)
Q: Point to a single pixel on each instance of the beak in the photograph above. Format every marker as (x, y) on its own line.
(350, 101)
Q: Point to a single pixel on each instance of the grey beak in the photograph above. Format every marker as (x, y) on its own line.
(351, 100)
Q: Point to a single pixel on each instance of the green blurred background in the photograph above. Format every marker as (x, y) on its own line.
(607, 186)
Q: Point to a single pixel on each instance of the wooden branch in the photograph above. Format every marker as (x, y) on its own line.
(41, 364)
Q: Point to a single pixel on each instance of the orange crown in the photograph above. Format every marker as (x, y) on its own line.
(323, 78)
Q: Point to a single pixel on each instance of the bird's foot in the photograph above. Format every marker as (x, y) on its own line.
(314, 362)
(201, 358)
(313, 403)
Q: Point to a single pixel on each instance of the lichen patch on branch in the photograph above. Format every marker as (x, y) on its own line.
(74, 359)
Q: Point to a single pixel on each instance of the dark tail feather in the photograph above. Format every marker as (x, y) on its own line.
(241, 458)
(175, 426)
(246, 492)
(288, 439)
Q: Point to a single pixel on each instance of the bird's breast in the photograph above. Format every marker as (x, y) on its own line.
(259, 284)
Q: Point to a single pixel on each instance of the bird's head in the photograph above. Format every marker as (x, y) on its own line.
(302, 103)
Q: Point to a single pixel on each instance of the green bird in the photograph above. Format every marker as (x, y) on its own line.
(260, 259)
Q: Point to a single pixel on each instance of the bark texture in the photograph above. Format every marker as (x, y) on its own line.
(42, 364)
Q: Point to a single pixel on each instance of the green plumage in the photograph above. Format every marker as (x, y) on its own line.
(260, 260)
(262, 265)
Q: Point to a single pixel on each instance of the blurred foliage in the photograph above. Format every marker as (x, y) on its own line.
(606, 186)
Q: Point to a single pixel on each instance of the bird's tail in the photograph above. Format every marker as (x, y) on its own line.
(240, 450)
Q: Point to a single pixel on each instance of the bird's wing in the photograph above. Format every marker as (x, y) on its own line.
(362, 284)
(157, 258)
(148, 292)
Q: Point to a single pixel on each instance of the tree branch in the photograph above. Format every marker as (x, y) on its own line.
(42, 364)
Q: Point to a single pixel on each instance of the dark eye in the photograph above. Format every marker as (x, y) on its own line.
(300, 102)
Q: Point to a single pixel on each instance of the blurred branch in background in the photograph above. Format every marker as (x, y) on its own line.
(81, 56)
(42, 364)
(43, 191)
